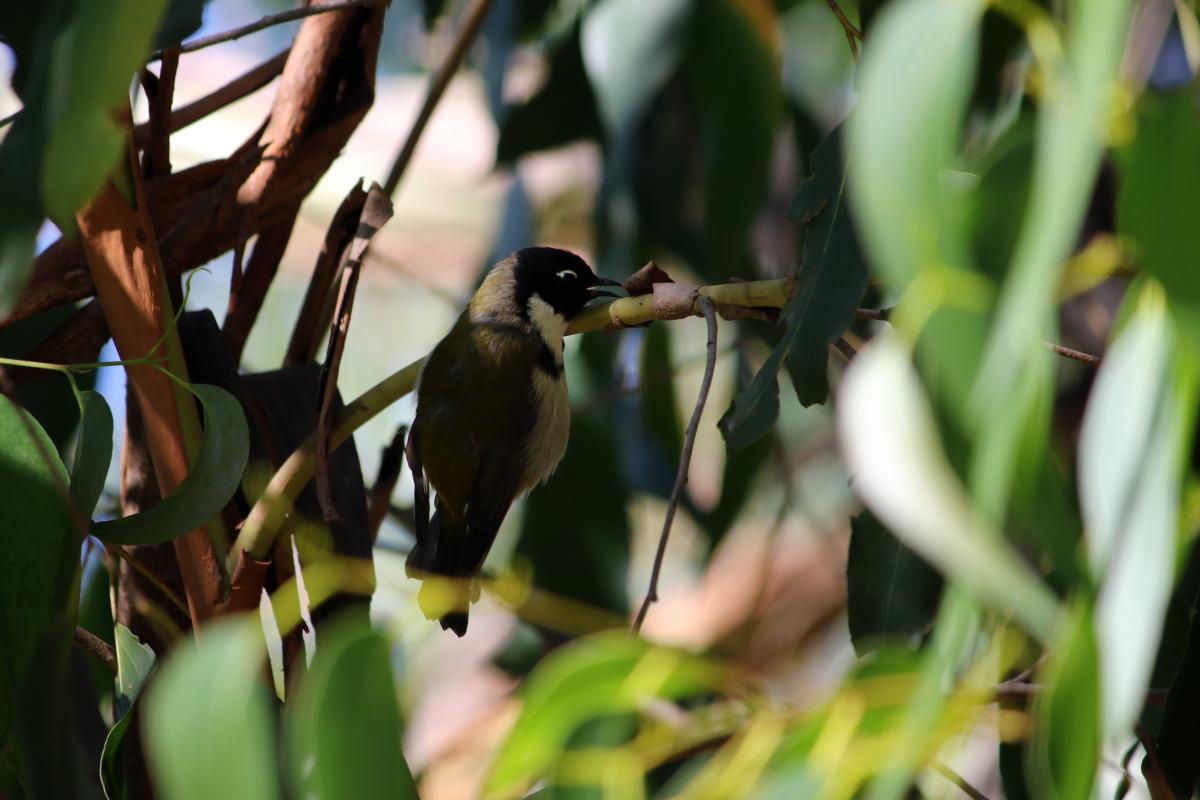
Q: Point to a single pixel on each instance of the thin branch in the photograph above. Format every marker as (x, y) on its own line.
(853, 34)
(878, 314)
(268, 21)
(958, 780)
(1067, 352)
(238, 88)
(93, 645)
(681, 476)
(11, 118)
(845, 348)
(458, 51)
(391, 463)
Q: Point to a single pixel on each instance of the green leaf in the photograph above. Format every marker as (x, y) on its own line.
(832, 275)
(102, 50)
(896, 461)
(755, 408)
(210, 484)
(343, 728)
(93, 452)
(1136, 433)
(1159, 194)
(135, 662)
(208, 726)
(41, 547)
(1015, 377)
(630, 49)
(597, 676)
(733, 79)
(892, 593)
(562, 111)
(1066, 748)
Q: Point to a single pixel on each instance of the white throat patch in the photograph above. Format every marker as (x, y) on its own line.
(551, 325)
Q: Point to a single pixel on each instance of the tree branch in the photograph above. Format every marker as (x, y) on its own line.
(94, 646)
(685, 458)
(853, 34)
(958, 780)
(268, 21)
(472, 22)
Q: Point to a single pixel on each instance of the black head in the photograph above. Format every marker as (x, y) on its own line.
(560, 278)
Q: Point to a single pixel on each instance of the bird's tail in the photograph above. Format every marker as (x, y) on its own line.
(447, 590)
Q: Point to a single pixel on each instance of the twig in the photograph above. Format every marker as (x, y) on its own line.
(160, 91)
(93, 645)
(462, 42)
(241, 86)
(1067, 352)
(391, 462)
(681, 476)
(376, 211)
(845, 348)
(268, 21)
(958, 780)
(879, 314)
(11, 118)
(852, 33)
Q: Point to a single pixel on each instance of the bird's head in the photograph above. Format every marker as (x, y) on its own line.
(549, 280)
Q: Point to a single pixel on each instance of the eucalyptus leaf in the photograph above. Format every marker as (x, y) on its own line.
(135, 662)
(597, 676)
(891, 592)
(756, 407)
(209, 729)
(93, 452)
(210, 483)
(343, 727)
(38, 572)
(1066, 747)
(1159, 195)
(630, 49)
(832, 275)
(1136, 433)
(891, 446)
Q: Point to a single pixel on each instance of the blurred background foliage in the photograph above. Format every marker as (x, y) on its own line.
(937, 537)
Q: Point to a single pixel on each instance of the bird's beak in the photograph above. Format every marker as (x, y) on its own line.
(596, 291)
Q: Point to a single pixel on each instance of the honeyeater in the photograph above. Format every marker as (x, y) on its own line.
(492, 418)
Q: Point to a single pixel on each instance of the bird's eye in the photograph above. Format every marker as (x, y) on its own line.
(565, 273)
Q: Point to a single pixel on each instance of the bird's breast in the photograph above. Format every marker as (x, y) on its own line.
(548, 439)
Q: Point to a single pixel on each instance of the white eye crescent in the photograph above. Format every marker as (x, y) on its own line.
(566, 272)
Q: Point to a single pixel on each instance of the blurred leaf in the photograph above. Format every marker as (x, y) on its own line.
(832, 275)
(892, 449)
(997, 205)
(651, 447)
(1132, 445)
(892, 593)
(95, 616)
(208, 726)
(1159, 194)
(586, 497)
(1067, 738)
(93, 452)
(432, 9)
(755, 408)
(562, 111)
(914, 80)
(630, 49)
(343, 727)
(181, 20)
(739, 103)
(41, 548)
(1015, 377)
(105, 46)
(135, 662)
(210, 483)
(1180, 726)
(596, 676)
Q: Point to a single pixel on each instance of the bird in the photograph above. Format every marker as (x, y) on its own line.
(492, 418)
